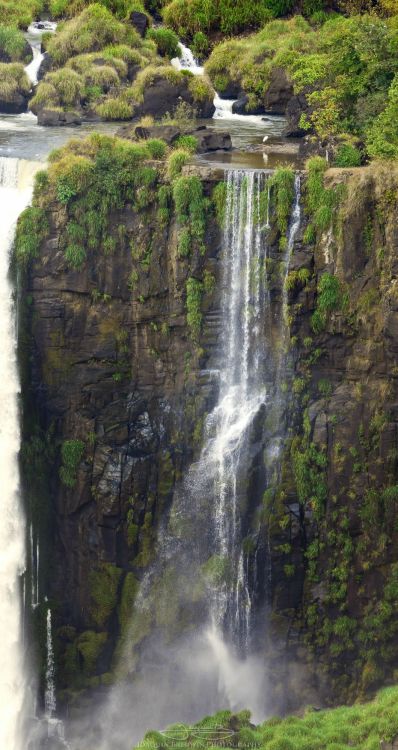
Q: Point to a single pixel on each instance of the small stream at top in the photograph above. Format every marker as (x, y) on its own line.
(248, 132)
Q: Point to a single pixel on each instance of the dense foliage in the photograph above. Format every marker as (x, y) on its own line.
(346, 67)
(361, 726)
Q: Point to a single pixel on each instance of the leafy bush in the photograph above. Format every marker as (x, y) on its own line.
(282, 192)
(176, 161)
(166, 41)
(330, 298)
(187, 142)
(69, 8)
(190, 206)
(347, 156)
(382, 134)
(32, 228)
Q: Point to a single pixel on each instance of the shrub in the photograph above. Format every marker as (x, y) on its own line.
(188, 17)
(330, 298)
(187, 142)
(200, 44)
(166, 41)
(31, 230)
(176, 161)
(156, 147)
(282, 191)
(68, 85)
(194, 301)
(347, 156)
(71, 455)
(382, 134)
(90, 31)
(13, 45)
(121, 8)
(115, 109)
(200, 89)
(13, 80)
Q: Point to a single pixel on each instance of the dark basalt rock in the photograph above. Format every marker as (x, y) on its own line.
(53, 117)
(163, 96)
(168, 133)
(210, 140)
(139, 21)
(15, 105)
(279, 93)
(297, 106)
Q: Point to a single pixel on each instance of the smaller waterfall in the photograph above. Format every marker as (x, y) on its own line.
(187, 61)
(50, 703)
(33, 36)
(32, 69)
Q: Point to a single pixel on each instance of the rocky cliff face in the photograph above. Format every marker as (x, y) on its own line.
(333, 517)
(117, 391)
(118, 388)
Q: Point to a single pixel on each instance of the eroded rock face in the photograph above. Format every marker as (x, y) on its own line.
(114, 366)
(279, 93)
(339, 483)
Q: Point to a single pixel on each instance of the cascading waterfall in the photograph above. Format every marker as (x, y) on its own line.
(50, 703)
(242, 393)
(16, 179)
(211, 562)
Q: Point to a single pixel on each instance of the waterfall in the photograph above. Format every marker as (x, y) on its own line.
(32, 69)
(242, 393)
(210, 580)
(50, 704)
(15, 193)
(187, 61)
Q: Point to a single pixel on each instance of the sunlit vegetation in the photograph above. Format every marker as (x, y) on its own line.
(363, 726)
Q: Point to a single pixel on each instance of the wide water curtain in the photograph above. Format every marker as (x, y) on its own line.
(15, 192)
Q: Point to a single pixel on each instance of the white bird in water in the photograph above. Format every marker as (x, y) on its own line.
(265, 138)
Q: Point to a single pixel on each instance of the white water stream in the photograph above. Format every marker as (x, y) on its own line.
(16, 178)
(223, 111)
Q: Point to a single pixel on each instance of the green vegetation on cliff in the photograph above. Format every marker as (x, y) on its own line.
(363, 727)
